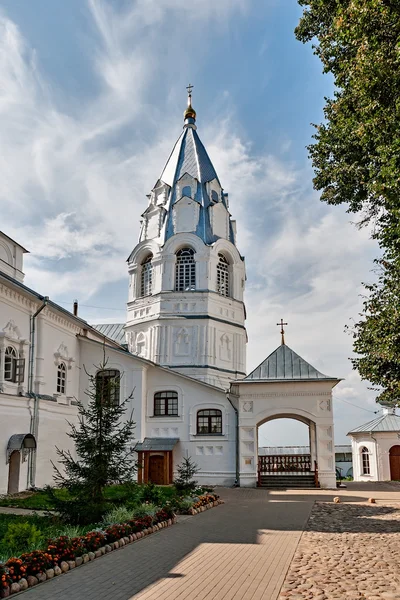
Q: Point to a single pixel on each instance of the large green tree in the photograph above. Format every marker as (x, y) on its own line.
(356, 154)
(356, 157)
(377, 334)
(102, 439)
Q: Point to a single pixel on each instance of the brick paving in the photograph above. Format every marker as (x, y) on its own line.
(238, 551)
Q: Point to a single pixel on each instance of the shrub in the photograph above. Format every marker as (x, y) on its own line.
(36, 562)
(186, 471)
(164, 514)
(22, 536)
(140, 523)
(15, 569)
(119, 514)
(151, 493)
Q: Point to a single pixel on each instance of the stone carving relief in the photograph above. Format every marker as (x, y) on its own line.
(182, 343)
(247, 406)
(11, 331)
(62, 355)
(324, 405)
(225, 350)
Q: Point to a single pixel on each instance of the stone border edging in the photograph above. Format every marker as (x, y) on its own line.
(66, 566)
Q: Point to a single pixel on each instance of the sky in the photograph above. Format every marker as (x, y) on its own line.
(92, 94)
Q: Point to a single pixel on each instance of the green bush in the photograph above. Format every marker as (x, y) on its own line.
(118, 514)
(21, 536)
(151, 493)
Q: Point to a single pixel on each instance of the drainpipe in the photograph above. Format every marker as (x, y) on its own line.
(237, 481)
(35, 414)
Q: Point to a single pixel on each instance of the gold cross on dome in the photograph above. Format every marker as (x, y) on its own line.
(189, 89)
(281, 324)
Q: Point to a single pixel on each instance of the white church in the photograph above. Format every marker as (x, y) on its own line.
(182, 350)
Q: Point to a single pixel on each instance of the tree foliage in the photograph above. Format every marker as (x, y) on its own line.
(377, 335)
(187, 469)
(356, 154)
(102, 440)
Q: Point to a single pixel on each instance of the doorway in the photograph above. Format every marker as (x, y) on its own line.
(394, 457)
(13, 472)
(156, 469)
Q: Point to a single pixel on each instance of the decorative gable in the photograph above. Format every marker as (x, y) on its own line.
(152, 222)
(219, 219)
(185, 215)
(186, 186)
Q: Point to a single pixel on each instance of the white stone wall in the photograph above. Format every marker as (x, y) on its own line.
(310, 402)
(11, 258)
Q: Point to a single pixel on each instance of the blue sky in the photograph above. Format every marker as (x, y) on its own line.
(91, 100)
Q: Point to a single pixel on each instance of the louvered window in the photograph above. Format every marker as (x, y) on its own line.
(185, 274)
(146, 280)
(222, 276)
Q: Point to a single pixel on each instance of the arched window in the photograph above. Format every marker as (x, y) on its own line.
(61, 378)
(185, 273)
(222, 276)
(10, 364)
(166, 404)
(209, 421)
(365, 467)
(108, 386)
(146, 276)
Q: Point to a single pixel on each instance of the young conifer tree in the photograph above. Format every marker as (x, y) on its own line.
(102, 439)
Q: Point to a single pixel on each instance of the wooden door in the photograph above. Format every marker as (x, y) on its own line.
(394, 456)
(13, 472)
(156, 469)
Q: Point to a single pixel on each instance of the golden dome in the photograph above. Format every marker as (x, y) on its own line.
(189, 113)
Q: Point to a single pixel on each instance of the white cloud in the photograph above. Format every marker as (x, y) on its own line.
(73, 184)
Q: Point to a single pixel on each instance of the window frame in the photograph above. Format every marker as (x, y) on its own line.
(213, 413)
(164, 405)
(62, 379)
(185, 270)
(146, 276)
(10, 364)
(223, 276)
(107, 375)
(365, 462)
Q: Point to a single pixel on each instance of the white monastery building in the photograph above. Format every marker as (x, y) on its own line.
(182, 350)
(376, 448)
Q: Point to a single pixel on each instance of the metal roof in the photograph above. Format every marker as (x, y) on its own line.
(389, 422)
(284, 364)
(162, 444)
(190, 156)
(114, 331)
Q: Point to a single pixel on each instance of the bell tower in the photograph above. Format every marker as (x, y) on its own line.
(187, 277)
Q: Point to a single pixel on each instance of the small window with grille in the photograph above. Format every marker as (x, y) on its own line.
(222, 276)
(365, 466)
(185, 273)
(209, 421)
(61, 378)
(166, 404)
(146, 276)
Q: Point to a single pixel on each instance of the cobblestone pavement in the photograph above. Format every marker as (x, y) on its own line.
(348, 552)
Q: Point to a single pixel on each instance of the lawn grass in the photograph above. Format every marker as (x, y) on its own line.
(40, 501)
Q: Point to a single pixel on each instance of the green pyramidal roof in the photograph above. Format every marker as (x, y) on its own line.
(285, 365)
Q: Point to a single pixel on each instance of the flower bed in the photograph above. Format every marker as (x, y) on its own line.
(64, 553)
(204, 502)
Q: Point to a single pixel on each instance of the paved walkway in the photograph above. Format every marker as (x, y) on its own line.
(238, 551)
